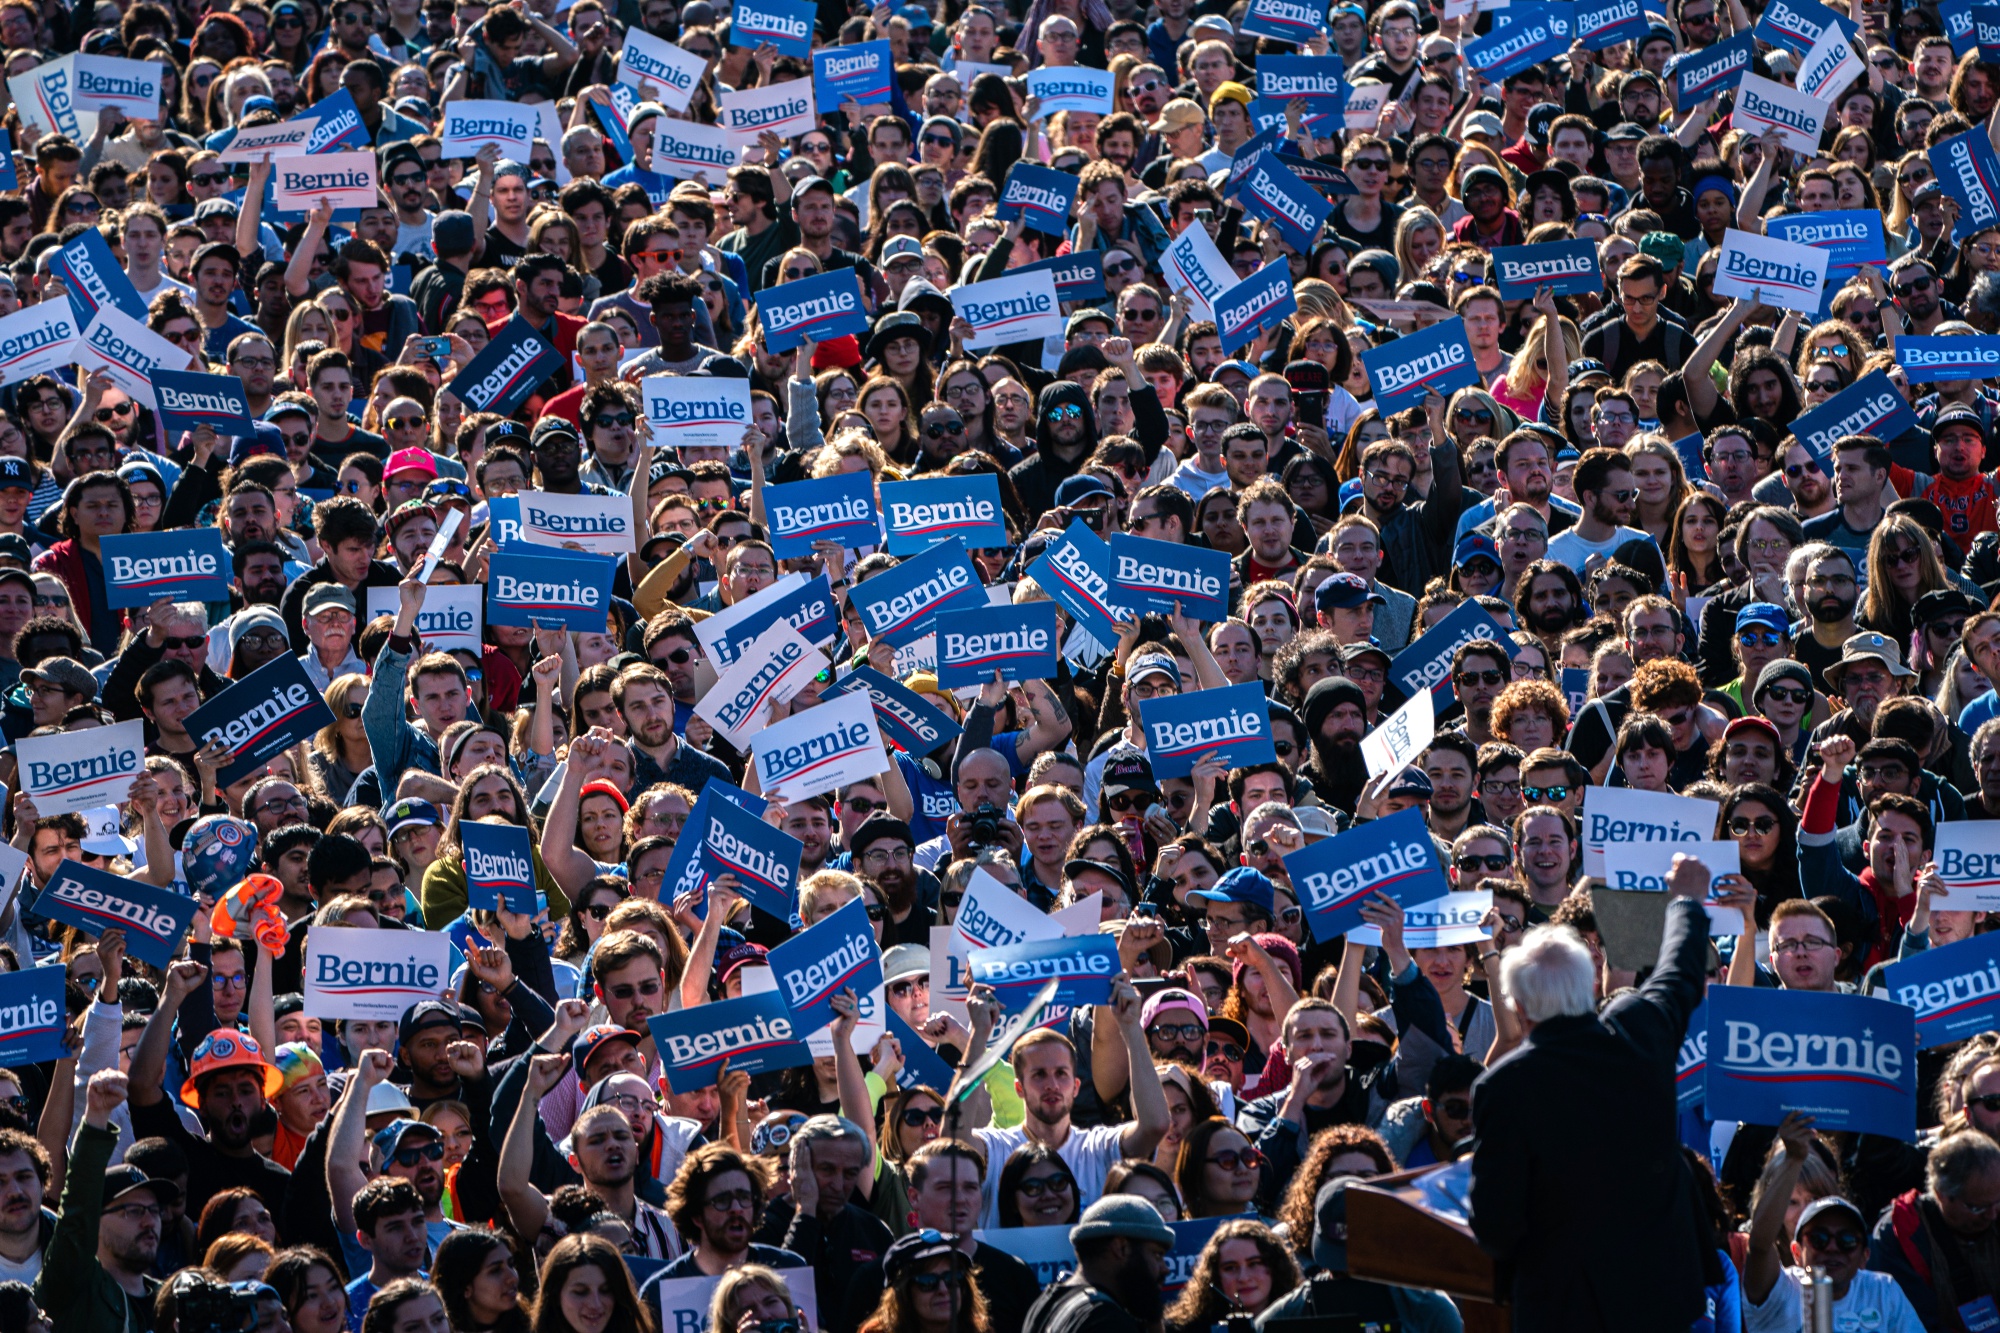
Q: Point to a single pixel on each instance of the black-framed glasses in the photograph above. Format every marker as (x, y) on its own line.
(1036, 1187)
(1228, 1050)
(916, 1117)
(1176, 1031)
(1789, 695)
(430, 1152)
(937, 430)
(1487, 677)
(604, 419)
(1493, 863)
(1844, 1241)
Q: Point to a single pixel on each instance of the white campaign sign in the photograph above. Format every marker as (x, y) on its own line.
(1364, 105)
(783, 109)
(262, 142)
(1968, 857)
(1194, 265)
(1452, 919)
(870, 1011)
(342, 180)
(1643, 867)
(772, 670)
(1071, 88)
(688, 150)
(1765, 104)
(821, 749)
(601, 524)
(685, 1301)
(992, 916)
(373, 973)
(713, 630)
(549, 129)
(471, 124)
(113, 83)
(81, 770)
(1830, 65)
(949, 983)
(37, 338)
(46, 96)
(1619, 814)
(1779, 273)
(1403, 735)
(128, 351)
(451, 619)
(659, 70)
(696, 411)
(1009, 309)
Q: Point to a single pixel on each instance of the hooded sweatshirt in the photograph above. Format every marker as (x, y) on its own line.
(1337, 778)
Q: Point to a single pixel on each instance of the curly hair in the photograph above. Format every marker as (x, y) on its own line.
(1296, 1211)
(1529, 696)
(1202, 1303)
(1665, 682)
(687, 1194)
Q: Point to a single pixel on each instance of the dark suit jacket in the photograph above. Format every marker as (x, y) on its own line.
(1578, 1182)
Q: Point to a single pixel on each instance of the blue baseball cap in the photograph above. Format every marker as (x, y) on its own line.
(1344, 592)
(1241, 885)
(388, 1140)
(916, 15)
(1474, 546)
(1766, 614)
(15, 474)
(1242, 367)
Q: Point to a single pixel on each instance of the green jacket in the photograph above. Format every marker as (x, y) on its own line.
(79, 1296)
(444, 897)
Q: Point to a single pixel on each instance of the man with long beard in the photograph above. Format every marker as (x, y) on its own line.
(1549, 600)
(1336, 717)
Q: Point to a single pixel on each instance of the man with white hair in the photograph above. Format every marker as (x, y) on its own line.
(1577, 1124)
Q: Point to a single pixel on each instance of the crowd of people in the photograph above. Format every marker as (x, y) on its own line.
(1672, 594)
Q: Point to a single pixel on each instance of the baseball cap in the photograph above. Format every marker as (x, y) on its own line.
(1832, 1203)
(13, 546)
(906, 960)
(1344, 592)
(1411, 781)
(278, 411)
(1127, 769)
(594, 1039)
(72, 676)
(1081, 487)
(411, 812)
(15, 474)
(1078, 865)
(1178, 114)
(1766, 614)
(125, 1178)
(1474, 546)
(102, 835)
(388, 1140)
(424, 1015)
(1173, 997)
(1244, 885)
(1485, 122)
(901, 247)
(328, 597)
(411, 460)
(1153, 664)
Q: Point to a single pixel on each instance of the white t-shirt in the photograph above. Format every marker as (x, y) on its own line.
(1089, 1154)
(166, 284)
(1567, 548)
(26, 1271)
(1873, 1304)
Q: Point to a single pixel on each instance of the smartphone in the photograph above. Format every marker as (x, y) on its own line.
(437, 349)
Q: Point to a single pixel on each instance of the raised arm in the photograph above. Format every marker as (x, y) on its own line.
(1766, 1255)
(527, 1207)
(1702, 396)
(571, 865)
(298, 273)
(722, 900)
(1750, 208)
(149, 1061)
(347, 1145)
(1150, 1121)
(250, 216)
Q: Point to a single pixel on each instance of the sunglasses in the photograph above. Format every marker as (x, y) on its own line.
(405, 423)
(1844, 1241)
(1759, 638)
(208, 178)
(1789, 696)
(1228, 1050)
(604, 419)
(1495, 863)
(937, 430)
(430, 1152)
(916, 1118)
(1065, 412)
(596, 911)
(1545, 793)
(1742, 826)
(1233, 1159)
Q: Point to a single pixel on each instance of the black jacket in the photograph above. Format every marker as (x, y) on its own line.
(1576, 1126)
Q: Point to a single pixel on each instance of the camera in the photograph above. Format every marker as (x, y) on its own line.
(986, 824)
(203, 1305)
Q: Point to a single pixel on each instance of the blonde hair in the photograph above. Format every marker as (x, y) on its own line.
(828, 889)
(1522, 378)
(849, 444)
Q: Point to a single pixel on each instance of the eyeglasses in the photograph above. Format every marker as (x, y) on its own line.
(1545, 793)
(1495, 863)
(1804, 944)
(115, 410)
(281, 803)
(1037, 1186)
(173, 641)
(801, 272)
(1742, 826)
(1489, 787)
(141, 1211)
(1368, 164)
(940, 141)
(405, 423)
(1176, 1031)
(1478, 414)
(430, 1152)
(1228, 1050)
(877, 912)
(914, 1117)
(932, 1281)
(731, 1201)
(604, 419)
(1913, 286)
(1234, 1159)
(1789, 695)
(884, 856)
(1509, 921)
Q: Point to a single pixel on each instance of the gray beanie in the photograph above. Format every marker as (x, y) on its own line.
(1125, 1215)
(1783, 668)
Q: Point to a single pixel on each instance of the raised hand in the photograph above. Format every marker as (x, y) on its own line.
(111, 955)
(544, 1073)
(375, 1067)
(1836, 752)
(105, 1093)
(183, 978)
(467, 1060)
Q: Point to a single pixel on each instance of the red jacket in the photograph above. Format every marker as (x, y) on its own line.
(65, 561)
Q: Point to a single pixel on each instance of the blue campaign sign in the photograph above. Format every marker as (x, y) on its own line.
(1713, 70)
(32, 1016)
(1796, 24)
(1017, 641)
(265, 713)
(765, 860)
(1321, 175)
(1531, 34)
(1954, 991)
(1266, 140)
(862, 72)
(181, 564)
(920, 514)
(839, 508)
(1851, 238)
(922, 1067)
(1149, 575)
(1849, 1060)
(1041, 197)
(337, 124)
(503, 519)
(1567, 268)
(1079, 277)
(752, 1034)
(1294, 78)
(508, 370)
(1271, 191)
(1957, 18)
(1295, 21)
(1602, 23)
(900, 605)
(1326, 117)
(154, 920)
(1969, 171)
(837, 954)
(1689, 448)
(1872, 405)
(1075, 569)
(1426, 664)
(189, 401)
(93, 279)
(1082, 966)
(820, 308)
(1335, 876)
(499, 865)
(1948, 357)
(9, 180)
(1439, 358)
(785, 24)
(1986, 31)
(1232, 723)
(1256, 305)
(908, 720)
(808, 609)
(530, 584)
(1576, 688)
(1691, 1063)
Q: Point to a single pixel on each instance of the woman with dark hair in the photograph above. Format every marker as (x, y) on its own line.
(1765, 831)
(491, 793)
(1001, 145)
(1148, 1182)
(407, 1304)
(96, 505)
(1036, 1188)
(891, 185)
(76, 204)
(1309, 480)
(1343, 1150)
(929, 1289)
(584, 925)
(586, 1288)
(44, 410)
(1243, 1270)
(1215, 520)
(167, 174)
(473, 1270)
(1694, 550)
(1762, 386)
(309, 1286)
(222, 37)
(322, 76)
(191, 117)
(1218, 1171)
(233, 1211)
(962, 386)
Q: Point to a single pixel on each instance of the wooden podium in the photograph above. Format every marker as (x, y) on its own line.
(1394, 1235)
